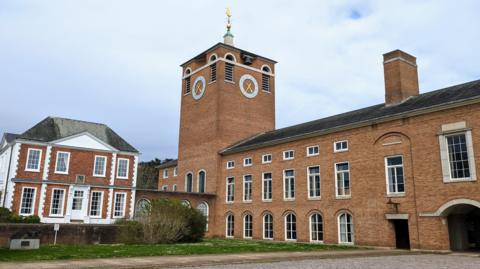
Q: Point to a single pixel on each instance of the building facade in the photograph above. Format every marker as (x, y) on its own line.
(68, 171)
(398, 174)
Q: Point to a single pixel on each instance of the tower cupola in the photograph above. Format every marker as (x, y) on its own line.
(228, 37)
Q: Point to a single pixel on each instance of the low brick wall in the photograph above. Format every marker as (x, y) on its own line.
(69, 234)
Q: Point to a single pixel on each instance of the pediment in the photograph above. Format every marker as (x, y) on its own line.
(84, 140)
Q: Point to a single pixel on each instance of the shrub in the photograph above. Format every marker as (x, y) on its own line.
(164, 221)
(5, 215)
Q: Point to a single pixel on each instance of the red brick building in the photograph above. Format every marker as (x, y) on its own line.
(68, 171)
(397, 174)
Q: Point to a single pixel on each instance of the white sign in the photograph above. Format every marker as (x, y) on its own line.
(56, 227)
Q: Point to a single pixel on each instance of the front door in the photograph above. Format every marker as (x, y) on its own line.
(402, 237)
(79, 203)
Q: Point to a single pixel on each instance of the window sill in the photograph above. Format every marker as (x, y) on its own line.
(60, 173)
(247, 165)
(316, 242)
(123, 178)
(266, 162)
(447, 181)
(211, 82)
(99, 176)
(342, 150)
(344, 197)
(313, 155)
(314, 198)
(229, 203)
(247, 202)
(266, 91)
(267, 201)
(391, 195)
(290, 240)
(289, 199)
(95, 217)
(55, 216)
(119, 217)
(289, 159)
(31, 170)
(231, 82)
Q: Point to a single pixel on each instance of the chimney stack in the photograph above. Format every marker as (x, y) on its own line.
(401, 76)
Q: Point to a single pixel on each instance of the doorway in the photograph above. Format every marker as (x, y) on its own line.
(79, 203)
(464, 228)
(402, 237)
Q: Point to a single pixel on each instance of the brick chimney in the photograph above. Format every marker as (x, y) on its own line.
(401, 76)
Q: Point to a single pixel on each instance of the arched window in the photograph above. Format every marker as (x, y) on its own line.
(203, 208)
(187, 80)
(229, 67)
(189, 182)
(345, 228)
(290, 227)
(174, 187)
(201, 181)
(230, 228)
(266, 79)
(142, 207)
(213, 68)
(267, 226)
(247, 226)
(316, 228)
(186, 203)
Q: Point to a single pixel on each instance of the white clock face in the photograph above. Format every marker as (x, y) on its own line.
(248, 86)
(198, 88)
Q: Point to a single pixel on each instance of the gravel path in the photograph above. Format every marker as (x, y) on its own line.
(428, 261)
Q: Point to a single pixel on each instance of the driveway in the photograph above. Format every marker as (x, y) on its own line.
(425, 261)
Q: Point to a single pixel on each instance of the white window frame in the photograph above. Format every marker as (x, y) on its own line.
(165, 188)
(115, 205)
(165, 173)
(186, 182)
(263, 227)
(100, 211)
(204, 181)
(285, 158)
(268, 161)
(285, 198)
(226, 190)
(387, 179)
(339, 229)
(445, 159)
(245, 161)
(244, 188)
(62, 204)
(32, 211)
(67, 163)
(244, 226)
(175, 171)
(230, 164)
(118, 168)
(313, 154)
(39, 160)
(310, 227)
(308, 182)
(263, 186)
(174, 187)
(339, 150)
(226, 226)
(285, 227)
(95, 166)
(349, 181)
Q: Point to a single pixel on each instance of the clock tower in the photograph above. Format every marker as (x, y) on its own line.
(228, 95)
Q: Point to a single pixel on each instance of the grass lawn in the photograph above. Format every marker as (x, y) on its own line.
(208, 246)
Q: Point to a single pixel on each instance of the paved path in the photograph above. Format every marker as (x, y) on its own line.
(196, 260)
(427, 261)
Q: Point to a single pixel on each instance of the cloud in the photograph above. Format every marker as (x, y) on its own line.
(116, 62)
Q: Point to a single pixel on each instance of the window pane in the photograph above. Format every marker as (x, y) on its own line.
(27, 201)
(57, 202)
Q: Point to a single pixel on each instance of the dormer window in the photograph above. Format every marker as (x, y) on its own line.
(266, 79)
(229, 64)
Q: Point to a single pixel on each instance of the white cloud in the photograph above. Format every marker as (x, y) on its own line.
(117, 61)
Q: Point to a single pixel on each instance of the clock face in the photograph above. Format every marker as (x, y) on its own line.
(198, 88)
(248, 86)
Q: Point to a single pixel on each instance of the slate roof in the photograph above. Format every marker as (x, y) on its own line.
(168, 164)
(9, 137)
(438, 98)
(220, 44)
(54, 128)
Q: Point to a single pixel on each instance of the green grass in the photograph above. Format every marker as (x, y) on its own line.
(208, 246)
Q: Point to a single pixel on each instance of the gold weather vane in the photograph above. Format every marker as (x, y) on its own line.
(229, 14)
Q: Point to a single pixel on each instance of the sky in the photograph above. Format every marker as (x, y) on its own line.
(117, 61)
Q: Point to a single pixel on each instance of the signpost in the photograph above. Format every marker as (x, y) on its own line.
(56, 227)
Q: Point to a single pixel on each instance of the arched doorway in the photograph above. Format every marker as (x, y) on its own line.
(463, 218)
